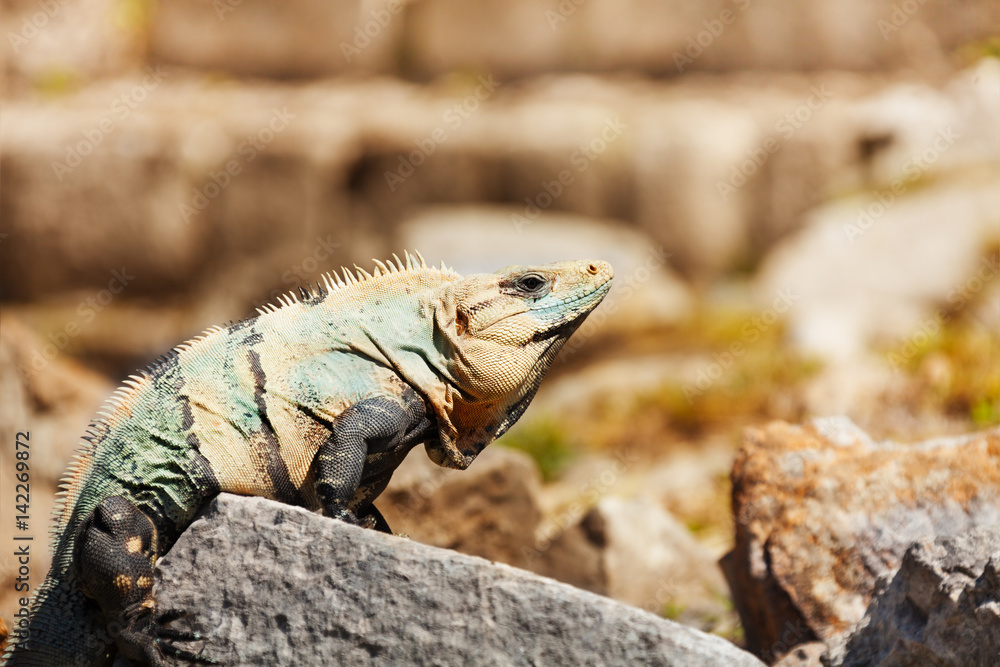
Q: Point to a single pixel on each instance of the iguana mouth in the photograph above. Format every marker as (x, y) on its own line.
(562, 330)
(563, 304)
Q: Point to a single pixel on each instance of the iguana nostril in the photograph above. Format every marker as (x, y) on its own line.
(592, 269)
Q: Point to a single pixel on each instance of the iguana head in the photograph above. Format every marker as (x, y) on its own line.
(474, 347)
(500, 333)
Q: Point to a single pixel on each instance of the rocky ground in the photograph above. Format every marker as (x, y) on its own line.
(815, 237)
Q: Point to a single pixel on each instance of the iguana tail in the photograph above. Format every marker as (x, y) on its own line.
(62, 631)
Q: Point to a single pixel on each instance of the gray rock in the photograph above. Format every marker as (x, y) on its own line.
(651, 560)
(632, 551)
(274, 584)
(820, 520)
(941, 608)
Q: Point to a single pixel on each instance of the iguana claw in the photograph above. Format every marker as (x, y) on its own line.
(145, 638)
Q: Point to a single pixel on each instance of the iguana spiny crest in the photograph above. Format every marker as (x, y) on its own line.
(313, 402)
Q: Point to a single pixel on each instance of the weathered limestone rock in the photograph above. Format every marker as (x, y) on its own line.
(273, 584)
(942, 607)
(917, 130)
(633, 551)
(679, 168)
(822, 512)
(855, 289)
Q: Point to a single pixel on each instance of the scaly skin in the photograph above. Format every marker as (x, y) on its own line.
(313, 403)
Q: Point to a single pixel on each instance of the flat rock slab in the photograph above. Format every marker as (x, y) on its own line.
(273, 584)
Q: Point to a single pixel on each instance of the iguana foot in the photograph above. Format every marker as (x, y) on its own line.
(115, 555)
(347, 516)
(147, 638)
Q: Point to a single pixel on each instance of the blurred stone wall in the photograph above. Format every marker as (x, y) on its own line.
(513, 38)
(54, 41)
(182, 138)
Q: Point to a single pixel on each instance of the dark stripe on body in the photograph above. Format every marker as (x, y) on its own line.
(197, 467)
(277, 470)
(252, 340)
(315, 416)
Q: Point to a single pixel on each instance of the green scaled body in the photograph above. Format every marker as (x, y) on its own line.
(313, 403)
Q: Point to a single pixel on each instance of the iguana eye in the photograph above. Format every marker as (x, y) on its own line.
(529, 285)
(531, 282)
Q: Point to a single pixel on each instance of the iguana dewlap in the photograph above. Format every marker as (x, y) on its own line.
(315, 403)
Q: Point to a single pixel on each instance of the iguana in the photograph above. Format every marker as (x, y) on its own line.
(314, 402)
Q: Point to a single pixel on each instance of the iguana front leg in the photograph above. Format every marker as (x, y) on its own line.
(116, 552)
(367, 442)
